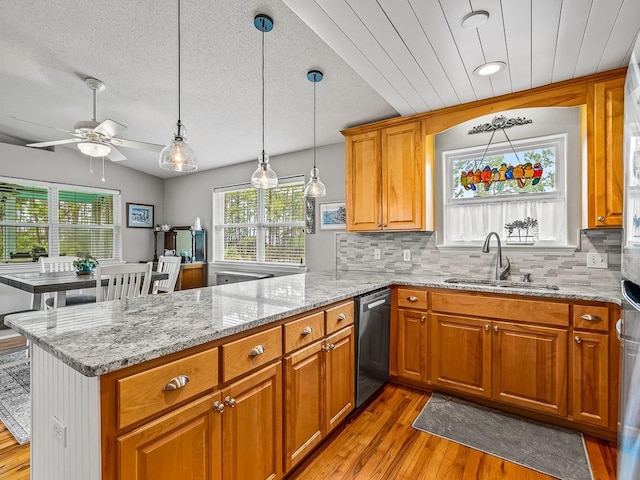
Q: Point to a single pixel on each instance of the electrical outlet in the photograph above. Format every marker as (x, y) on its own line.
(59, 431)
(376, 254)
(597, 260)
(406, 255)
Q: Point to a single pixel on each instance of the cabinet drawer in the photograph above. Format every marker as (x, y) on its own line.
(500, 308)
(248, 353)
(304, 331)
(412, 298)
(589, 317)
(339, 317)
(142, 395)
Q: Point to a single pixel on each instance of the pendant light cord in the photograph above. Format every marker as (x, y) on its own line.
(179, 72)
(262, 159)
(314, 125)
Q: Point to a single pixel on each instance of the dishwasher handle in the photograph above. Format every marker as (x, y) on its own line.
(375, 304)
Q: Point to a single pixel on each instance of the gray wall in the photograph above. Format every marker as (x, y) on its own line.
(191, 196)
(68, 166)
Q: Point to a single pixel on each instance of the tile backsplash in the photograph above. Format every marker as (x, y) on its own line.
(354, 252)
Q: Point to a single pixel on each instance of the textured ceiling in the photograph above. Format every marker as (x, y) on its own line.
(50, 46)
(416, 54)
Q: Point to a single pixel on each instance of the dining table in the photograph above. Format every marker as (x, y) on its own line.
(37, 284)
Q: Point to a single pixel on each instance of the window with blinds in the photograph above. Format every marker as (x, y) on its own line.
(41, 219)
(260, 226)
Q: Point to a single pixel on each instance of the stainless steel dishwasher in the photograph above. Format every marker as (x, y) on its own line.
(372, 345)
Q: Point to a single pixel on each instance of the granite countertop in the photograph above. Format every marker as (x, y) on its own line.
(95, 339)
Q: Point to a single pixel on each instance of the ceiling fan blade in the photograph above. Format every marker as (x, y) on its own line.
(42, 125)
(115, 155)
(109, 128)
(54, 142)
(152, 147)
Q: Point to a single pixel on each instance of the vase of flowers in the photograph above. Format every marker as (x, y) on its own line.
(85, 265)
(522, 232)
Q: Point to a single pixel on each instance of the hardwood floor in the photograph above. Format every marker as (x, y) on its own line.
(379, 444)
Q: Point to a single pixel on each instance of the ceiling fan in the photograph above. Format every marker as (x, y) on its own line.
(97, 139)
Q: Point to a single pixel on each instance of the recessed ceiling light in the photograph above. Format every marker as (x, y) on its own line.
(489, 68)
(474, 19)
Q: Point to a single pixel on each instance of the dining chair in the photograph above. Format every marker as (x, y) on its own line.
(127, 280)
(62, 264)
(170, 265)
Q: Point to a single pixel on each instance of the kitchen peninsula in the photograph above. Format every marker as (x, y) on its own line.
(93, 367)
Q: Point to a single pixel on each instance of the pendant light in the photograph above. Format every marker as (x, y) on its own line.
(315, 187)
(178, 155)
(264, 177)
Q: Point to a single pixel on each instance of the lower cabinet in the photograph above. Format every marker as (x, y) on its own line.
(412, 335)
(590, 382)
(318, 393)
(185, 443)
(192, 275)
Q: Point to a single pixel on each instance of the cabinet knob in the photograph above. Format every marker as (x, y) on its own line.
(412, 299)
(326, 348)
(423, 318)
(601, 218)
(229, 402)
(577, 339)
(257, 350)
(590, 318)
(496, 328)
(487, 327)
(176, 383)
(306, 331)
(341, 317)
(218, 407)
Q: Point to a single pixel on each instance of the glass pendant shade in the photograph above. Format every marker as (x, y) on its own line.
(315, 187)
(264, 177)
(94, 149)
(178, 155)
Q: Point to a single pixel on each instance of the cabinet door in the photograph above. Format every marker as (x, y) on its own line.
(303, 403)
(363, 178)
(605, 169)
(530, 367)
(252, 427)
(192, 276)
(182, 444)
(590, 378)
(412, 345)
(461, 354)
(403, 180)
(339, 367)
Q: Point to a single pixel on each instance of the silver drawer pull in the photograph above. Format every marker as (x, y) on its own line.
(229, 402)
(325, 348)
(590, 318)
(257, 350)
(423, 318)
(218, 407)
(577, 339)
(176, 383)
(412, 299)
(306, 331)
(341, 317)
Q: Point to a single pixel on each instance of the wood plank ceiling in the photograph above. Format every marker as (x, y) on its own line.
(417, 55)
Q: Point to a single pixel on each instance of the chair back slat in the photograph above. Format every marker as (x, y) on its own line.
(124, 281)
(170, 265)
(57, 264)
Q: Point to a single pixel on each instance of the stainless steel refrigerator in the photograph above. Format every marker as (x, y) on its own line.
(629, 326)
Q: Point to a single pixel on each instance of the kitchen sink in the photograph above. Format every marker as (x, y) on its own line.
(502, 283)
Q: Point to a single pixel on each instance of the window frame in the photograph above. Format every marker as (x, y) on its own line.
(54, 225)
(261, 225)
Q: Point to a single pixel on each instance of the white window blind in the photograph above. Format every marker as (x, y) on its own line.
(260, 226)
(38, 218)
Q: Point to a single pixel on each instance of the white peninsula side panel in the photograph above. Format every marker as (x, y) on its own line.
(63, 401)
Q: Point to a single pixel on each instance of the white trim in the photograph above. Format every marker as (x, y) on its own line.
(252, 267)
(62, 186)
(524, 249)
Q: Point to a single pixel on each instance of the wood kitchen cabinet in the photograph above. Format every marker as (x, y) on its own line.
(339, 371)
(252, 426)
(385, 177)
(590, 377)
(605, 119)
(185, 443)
(529, 366)
(412, 342)
(192, 275)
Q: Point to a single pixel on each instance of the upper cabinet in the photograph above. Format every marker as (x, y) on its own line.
(385, 173)
(605, 121)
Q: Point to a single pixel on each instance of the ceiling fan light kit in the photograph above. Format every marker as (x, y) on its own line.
(178, 156)
(263, 177)
(94, 149)
(314, 187)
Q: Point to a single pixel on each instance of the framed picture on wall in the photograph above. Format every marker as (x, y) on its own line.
(333, 216)
(139, 215)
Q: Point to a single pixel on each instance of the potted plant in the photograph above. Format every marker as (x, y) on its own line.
(85, 264)
(528, 225)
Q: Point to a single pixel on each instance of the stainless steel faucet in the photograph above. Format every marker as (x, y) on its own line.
(502, 268)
